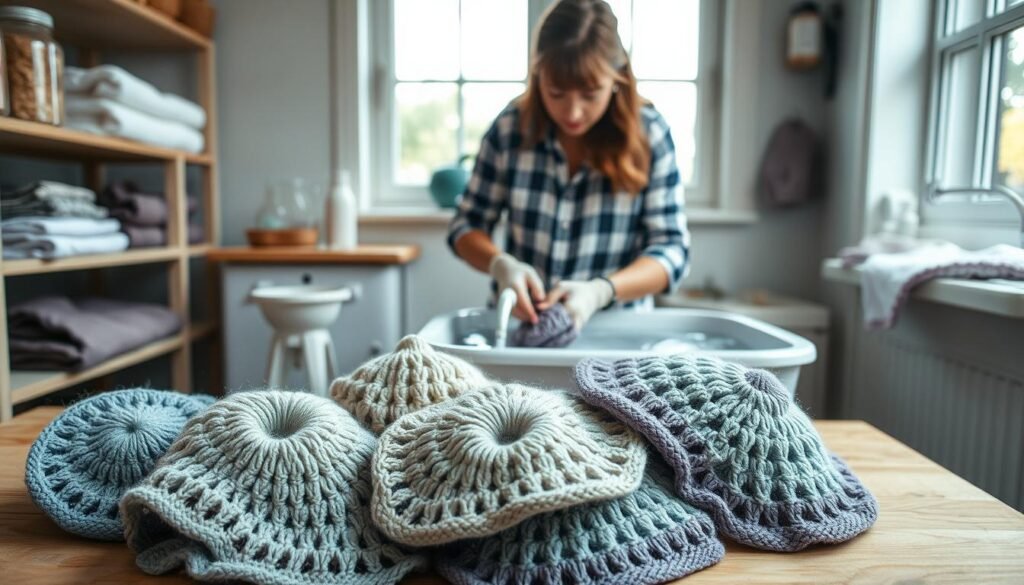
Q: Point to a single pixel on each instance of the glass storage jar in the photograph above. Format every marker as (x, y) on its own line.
(34, 65)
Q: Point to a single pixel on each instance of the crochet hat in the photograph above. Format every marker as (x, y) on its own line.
(265, 487)
(554, 328)
(484, 461)
(740, 448)
(84, 460)
(646, 537)
(413, 376)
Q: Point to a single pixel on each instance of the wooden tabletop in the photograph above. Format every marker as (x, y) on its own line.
(363, 254)
(933, 527)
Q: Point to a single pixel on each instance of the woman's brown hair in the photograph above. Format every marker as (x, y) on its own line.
(576, 43)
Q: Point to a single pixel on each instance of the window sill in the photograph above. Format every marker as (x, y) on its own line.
(435, 216)
(999, 297)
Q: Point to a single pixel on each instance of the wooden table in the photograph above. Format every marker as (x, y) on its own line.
(933, 527)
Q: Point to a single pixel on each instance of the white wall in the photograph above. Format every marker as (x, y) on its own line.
(273, 89)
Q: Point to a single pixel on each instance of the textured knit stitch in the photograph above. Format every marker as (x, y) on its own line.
(266, 487)
(412, 377)
(645, 537)
(84, 460)
(554, 328)
(740, 448)
(481, 463)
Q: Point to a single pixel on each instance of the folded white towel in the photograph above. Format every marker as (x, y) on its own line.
(887, 279)
(47, 246)
(110, 81)
(107, 117)
(58, 226)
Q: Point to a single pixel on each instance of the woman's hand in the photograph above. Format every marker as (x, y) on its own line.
(582, 298)
(522, 278)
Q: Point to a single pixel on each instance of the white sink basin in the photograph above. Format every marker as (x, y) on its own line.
(610, 335)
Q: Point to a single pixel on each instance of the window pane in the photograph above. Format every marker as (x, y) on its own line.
(425, 45)
(489, 51)
(959, 119)
(622, 10)
(481, 104)
(677, 102)
(667, 49)
(963, 13)
(428, 123)
(1010, 157)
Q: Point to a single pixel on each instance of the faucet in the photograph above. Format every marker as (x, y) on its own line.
(506, 302)
(934, 193)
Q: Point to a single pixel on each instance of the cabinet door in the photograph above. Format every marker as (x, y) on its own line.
(368, 326)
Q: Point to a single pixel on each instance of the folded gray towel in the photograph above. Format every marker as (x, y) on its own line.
(49, 199)
(58, 333)
(133, 206)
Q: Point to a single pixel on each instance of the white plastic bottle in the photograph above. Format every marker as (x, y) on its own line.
(342, 214)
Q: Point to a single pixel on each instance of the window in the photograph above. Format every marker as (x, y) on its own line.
(977, 129)
(445, 68)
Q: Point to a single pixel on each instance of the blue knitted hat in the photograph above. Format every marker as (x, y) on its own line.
(646, 537)
(84, 460)
(265, 487)
(741, 449)
(554, 328)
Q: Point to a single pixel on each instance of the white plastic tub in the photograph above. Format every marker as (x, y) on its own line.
(611, 335)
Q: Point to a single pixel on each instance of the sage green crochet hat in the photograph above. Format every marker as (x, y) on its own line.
(265, 487)
(741, 449)
(412, 377)
(482, 462)
(646, 537)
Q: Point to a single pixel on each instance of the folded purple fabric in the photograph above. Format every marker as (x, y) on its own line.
(57, 333)
(133, 206)
(148, 237)
(554, 328)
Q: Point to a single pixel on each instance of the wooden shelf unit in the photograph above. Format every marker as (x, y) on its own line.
(94, 26)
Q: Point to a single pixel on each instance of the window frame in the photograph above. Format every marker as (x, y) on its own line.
(385, 193)
(985, 35)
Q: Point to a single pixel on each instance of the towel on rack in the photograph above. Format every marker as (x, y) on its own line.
(58, 226)
(49, 198)
(133, 206)
(20, 246)
(113, 82)
(887, 279)
(107, 117)
(58, 333)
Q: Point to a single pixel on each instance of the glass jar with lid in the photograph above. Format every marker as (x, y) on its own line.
(34, 65)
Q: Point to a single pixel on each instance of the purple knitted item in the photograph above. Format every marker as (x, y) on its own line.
(741, 449)
(554, 328)
(646, 537)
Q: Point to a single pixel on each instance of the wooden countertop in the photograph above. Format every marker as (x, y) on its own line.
(364, 254)
(933, 527)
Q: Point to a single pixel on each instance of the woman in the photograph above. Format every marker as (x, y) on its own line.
(587, 174)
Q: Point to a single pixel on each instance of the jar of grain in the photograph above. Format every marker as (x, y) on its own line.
(34, 65)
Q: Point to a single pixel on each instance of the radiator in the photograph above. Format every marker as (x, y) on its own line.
(959, 403)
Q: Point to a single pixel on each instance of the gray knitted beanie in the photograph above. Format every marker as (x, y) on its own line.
(414, 376)
(482, 462)
(84, 460)
(741, 449)
(646, 537)
(554, 328)
(268, 487)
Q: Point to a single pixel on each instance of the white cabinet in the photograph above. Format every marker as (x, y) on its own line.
(368, 326)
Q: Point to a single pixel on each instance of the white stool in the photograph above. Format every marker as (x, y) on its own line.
(300, 316)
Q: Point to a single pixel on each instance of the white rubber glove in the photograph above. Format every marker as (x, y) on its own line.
(522, 278)
(582, 298)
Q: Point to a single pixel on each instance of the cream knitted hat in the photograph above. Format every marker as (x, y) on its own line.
(412, 377)
(649, 536)
(484, 461)
(265, 487)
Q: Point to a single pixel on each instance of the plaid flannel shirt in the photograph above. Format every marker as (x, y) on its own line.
(575, 228)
